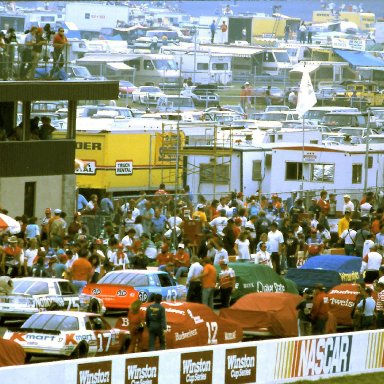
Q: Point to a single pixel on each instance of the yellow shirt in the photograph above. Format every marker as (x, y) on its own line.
(201, 215)
(343, 225)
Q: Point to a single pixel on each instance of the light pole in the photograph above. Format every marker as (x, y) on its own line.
(194, 54)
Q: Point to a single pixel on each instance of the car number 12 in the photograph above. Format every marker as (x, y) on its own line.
(212, 332)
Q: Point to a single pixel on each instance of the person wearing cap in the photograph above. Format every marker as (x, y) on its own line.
(344, 222)
(194, 286)
(319, 313)
(366, 308)
(56, 229)
(227, 281)
(199, 214)
(371, 264)
(11, 263)
(348, 205)
(182, 261)
(304, 309)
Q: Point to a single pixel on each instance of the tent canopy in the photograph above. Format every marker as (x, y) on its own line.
(360, 59)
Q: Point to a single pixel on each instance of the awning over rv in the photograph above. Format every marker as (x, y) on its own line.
(360, 59)
(119, 67)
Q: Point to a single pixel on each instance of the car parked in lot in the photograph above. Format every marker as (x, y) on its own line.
(119, 289)
(192, 325)
(202, 94)
(174, 103)
(34, 294)
(147, 95)
(126, 88)
(68, 334)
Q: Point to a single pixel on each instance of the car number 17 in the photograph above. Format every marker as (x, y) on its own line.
(103, 341)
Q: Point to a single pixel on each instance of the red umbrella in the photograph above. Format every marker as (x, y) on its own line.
(8, 224)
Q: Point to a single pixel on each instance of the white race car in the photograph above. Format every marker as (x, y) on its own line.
(34, 294)
(147, 95)
(70, 334)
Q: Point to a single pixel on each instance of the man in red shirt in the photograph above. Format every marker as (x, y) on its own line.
(208, 281)
(319, 313)
(182, 261)
(81, 271)
(59, 43)
(164, 257)
(10, 260)
(323, 203)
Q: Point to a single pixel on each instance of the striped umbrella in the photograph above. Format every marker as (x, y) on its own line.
(9, 225)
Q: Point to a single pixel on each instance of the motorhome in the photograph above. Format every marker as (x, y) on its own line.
(138, 68)
(200, 67)
(247, 61)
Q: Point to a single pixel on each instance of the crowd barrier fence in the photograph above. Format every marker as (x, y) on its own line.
(268, 361)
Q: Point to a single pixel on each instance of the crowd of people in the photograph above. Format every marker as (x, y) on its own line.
(152, 230)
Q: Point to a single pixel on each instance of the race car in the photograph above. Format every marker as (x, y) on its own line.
(34, 294)
(69, 334)
(119, 289)
(191, 325)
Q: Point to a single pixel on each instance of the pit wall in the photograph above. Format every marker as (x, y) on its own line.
(270, 361)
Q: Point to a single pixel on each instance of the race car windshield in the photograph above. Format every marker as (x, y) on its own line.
(51, 322)
(133, 279)
(31, 287)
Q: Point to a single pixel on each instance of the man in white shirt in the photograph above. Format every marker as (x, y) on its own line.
(348, 205)
(276, 240)
(219, 223)
(371, 265)
(348, 235)
(194, 286)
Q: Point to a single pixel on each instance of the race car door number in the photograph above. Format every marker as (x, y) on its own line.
(104, 342)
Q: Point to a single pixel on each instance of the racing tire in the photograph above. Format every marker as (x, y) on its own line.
(94, 307)
(80, 352)
(28, 358)
(124, 346)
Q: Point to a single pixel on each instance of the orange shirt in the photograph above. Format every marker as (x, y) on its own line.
(209, 277)
(81, 269)
(182, 259)
(164, 258)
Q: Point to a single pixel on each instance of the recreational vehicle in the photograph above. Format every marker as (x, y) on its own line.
(200, 67)
(139, 68)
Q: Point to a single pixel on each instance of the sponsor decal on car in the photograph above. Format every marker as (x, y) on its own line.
(95, 373)
(240, 365)
(142, 370)
(96, 291)
(196, 367)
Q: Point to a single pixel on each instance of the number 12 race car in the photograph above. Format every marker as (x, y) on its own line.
(69, 334)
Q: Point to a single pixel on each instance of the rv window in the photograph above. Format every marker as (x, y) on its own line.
(148, 65)
(357, 171)
(165, 64)
(208, 174)
(220, 66)
(256, 170)
(293, 171)
(322, 173)
(282, 57)
(134, 63)
(202, 66)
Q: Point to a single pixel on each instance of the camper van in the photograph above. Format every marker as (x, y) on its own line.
(200, 67)
(138, 68)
